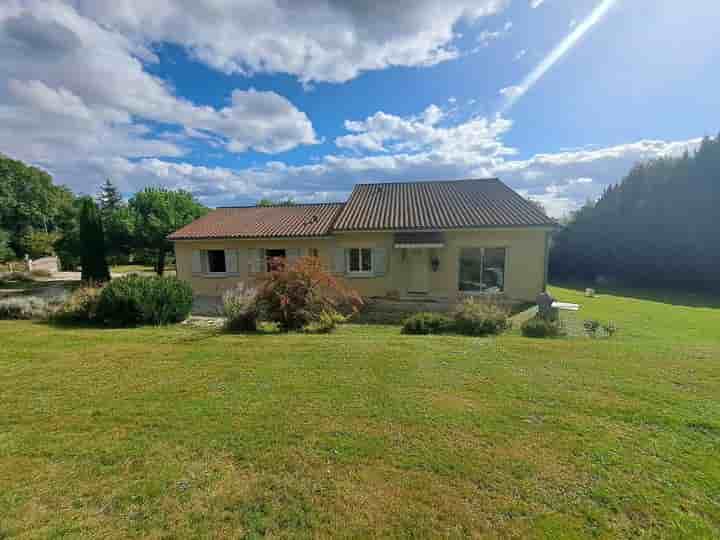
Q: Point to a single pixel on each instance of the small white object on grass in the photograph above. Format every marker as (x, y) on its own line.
(565, 306)
(590, 293)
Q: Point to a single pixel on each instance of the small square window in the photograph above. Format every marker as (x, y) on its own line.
(216, 261)
(360, 261)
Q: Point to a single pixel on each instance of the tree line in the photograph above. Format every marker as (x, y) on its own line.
(40, 218)
(658, 226)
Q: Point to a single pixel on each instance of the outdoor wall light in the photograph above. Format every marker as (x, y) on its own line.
(435, 263)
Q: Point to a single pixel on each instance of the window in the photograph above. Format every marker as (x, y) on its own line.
(314, 252)
(360, 261)
(274, 259)
(482, 270)
(216, 261)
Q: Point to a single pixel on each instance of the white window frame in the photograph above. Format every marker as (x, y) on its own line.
(482, 269)
(360, 271)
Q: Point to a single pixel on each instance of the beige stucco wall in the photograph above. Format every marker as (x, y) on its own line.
(524, 265)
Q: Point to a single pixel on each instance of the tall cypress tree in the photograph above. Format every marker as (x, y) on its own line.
(92, 242)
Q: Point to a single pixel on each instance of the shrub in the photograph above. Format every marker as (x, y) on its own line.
(591, 327)
(240, 309)
(137, 299)
(26, 308)
(267, 327)
(297, 294)
(594, 328)
(21, 277)
(326, 323)
(610, 329)
(424, 323)
(538, 327)
(481, 317)
(80, 306)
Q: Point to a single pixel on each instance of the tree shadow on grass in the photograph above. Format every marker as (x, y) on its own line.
(674, 297)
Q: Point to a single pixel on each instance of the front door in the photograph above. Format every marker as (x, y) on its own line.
(418, 264)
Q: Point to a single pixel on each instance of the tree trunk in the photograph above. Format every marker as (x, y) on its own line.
(160, 264)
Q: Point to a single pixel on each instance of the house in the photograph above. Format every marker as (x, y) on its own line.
(432, 240)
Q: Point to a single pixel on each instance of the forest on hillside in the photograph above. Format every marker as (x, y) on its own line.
(659, 226)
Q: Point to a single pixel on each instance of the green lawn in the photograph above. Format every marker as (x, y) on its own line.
(181, 433)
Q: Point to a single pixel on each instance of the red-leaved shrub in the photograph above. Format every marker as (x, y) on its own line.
(295, 295)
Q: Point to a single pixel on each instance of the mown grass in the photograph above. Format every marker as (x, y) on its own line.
(182, 433)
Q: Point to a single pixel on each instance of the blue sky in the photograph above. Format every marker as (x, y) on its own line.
(238, 100)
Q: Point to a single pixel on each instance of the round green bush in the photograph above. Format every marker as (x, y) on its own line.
(137, 299)
(537, 327)
(427, 323)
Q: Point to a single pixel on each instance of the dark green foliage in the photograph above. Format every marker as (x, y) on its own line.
(657, 227)
(155, 214)
(109, 198)
(6, 252)
(480, 317)
(38, 244)
(136, 299)
(427, 323)
(29, 201)
(92, 243)
(538, 327)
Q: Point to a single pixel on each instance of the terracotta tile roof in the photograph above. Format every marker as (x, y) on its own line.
(408, 206)
(437, 205)
(299, 220)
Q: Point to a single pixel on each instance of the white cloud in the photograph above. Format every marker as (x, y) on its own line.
(384, 132)
(64, 73)
(557, 53)
(486, 36)
(562, 181)
(316, 40)
(536, 3)
(520, 54)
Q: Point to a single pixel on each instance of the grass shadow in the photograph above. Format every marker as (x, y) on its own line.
(662, 296)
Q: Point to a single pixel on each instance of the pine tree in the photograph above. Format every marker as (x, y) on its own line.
(92, 242)
(109, 198)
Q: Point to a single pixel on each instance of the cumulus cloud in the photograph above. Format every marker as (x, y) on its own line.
(561, 181)
(63, 73)
(315, 40)
(384, 132)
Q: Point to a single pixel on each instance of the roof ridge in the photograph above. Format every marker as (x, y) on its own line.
(281, 205)
(450, 181)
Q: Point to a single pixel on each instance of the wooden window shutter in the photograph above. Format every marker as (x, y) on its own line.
(339, 261)
(197, 261)
(379, 261)
(231, 261)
